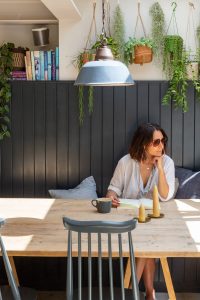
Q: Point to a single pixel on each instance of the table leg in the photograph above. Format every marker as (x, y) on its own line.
(14, 269)
(127, 275)
(168, 279)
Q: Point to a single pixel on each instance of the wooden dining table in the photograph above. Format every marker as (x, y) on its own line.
(34, 228)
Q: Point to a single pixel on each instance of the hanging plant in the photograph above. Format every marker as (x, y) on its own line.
(119, 31)
(172, 54)
(80, 60)
(138, 51)
(5, 88)
(157, 31)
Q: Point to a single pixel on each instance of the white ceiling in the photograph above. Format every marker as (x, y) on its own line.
(24, 10)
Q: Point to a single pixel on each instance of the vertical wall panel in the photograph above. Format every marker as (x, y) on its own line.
(177, 136)
(107, 138)
(85, 141)
(154, 102)
(188, 131)
(143, 103)
(28, 135)
(40, 140)
(119, 123)
(196, 135)
(62, 134)
(96, 140)
(131, 113)
(17, 140)
(51, 139)
(166, 116)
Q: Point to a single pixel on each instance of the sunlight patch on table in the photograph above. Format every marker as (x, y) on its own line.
(26, 209)
(182, 206)
(21, 242)
(193, 227)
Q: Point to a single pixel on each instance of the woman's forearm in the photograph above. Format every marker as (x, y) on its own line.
(163, 187)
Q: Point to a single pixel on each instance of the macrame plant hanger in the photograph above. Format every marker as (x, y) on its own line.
(192, 66)
(173, 21)
(87, 48)
(139, 18)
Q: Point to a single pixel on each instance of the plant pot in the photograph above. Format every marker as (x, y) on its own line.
(87, 56)
(192, 70)
(142, 55)
(18, 62)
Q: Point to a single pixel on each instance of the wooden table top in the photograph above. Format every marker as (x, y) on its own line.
(34, 227)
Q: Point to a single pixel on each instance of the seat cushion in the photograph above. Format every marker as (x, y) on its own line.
(189, 183)
(85, 190)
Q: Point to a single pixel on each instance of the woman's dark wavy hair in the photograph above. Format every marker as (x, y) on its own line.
(142, 138)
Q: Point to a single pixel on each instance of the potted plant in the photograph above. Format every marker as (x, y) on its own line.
(138, 51)
(172, 53)
(6, 65)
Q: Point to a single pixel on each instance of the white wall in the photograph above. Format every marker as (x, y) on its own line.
(21, 35)
(73, 35)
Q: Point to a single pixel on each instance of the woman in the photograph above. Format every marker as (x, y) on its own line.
(134, 178)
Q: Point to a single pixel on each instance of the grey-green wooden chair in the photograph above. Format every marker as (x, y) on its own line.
(99, 228)
(13, 292)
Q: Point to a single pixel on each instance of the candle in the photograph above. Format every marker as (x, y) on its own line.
(142, 216)
(156, 207)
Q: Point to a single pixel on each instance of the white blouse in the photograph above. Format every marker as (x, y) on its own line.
(127, 181)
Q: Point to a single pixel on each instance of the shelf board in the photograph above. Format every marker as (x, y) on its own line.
(31, 22)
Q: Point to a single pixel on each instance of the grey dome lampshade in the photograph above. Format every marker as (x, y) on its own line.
(40, 36)
(104, 73)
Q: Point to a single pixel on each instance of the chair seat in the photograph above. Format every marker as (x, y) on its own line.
(106, 294)
(26, 293)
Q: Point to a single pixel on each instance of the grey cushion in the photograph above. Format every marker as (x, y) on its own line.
(189, 183)
(85, 190)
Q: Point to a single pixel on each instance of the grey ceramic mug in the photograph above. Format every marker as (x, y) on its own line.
(103, 205)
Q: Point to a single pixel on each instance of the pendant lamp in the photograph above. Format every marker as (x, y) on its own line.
(104, 70)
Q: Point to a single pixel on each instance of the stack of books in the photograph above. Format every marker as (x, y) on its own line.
(42, 65)
(18, 75)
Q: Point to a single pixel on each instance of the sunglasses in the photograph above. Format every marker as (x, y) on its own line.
(157, 142)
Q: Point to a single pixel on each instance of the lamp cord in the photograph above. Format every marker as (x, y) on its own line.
(103, 18)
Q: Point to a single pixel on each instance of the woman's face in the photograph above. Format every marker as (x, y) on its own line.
(156, 147)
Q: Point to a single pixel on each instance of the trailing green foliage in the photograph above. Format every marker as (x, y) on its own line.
(129, 48)
(178, 85)
(157, 31)
(5, 88)
(173, 48)
(119, 31)
(79, 61)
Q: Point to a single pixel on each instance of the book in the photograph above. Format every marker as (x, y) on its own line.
(49, 64)
(33, 65)
(53, 65)
(41, 65)
(28, 65)
(57, 63)
(45, 66)
(135, 203)
(37, 65)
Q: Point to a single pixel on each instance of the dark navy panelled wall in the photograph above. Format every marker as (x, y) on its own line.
(48, 149)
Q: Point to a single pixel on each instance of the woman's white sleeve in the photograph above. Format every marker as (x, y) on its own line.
(117, 181)
(170, 177)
